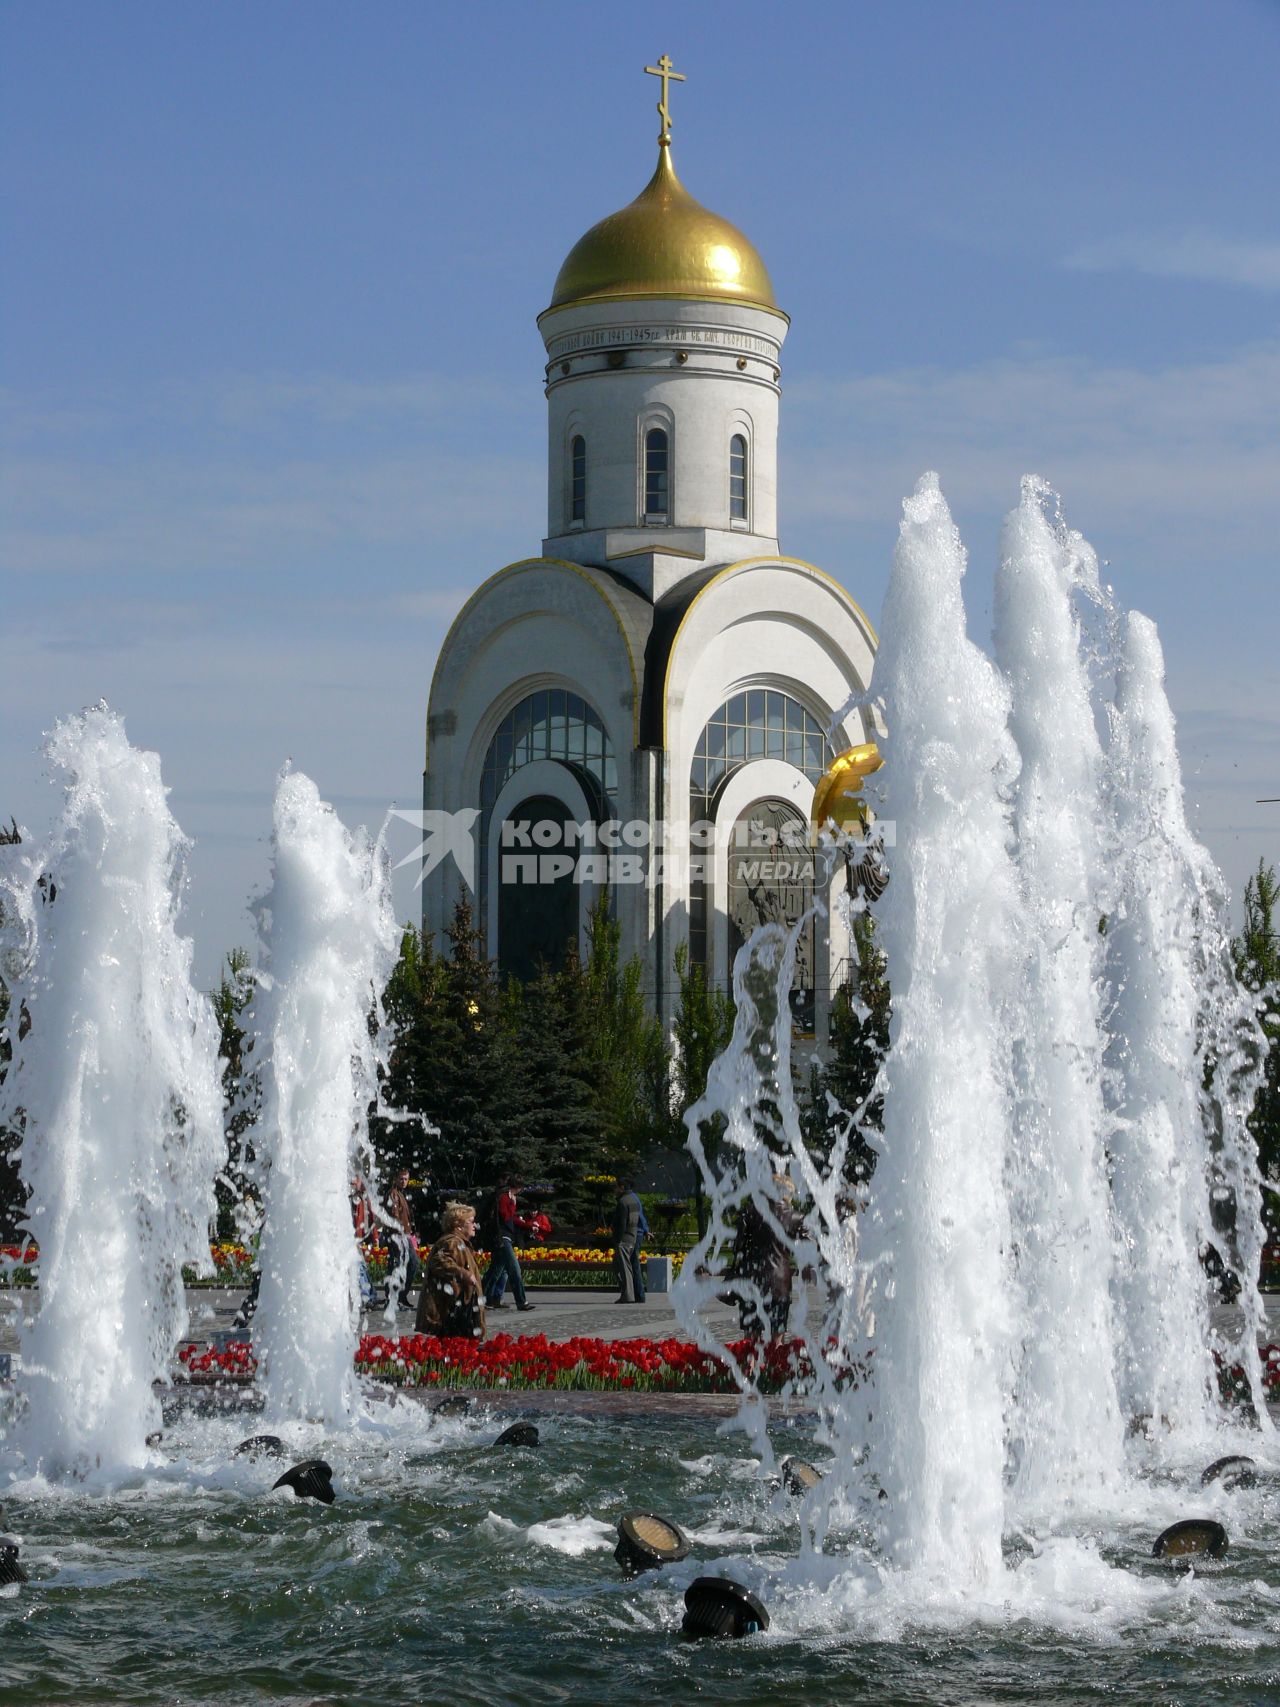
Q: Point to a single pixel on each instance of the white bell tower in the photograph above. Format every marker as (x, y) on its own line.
(663, 349)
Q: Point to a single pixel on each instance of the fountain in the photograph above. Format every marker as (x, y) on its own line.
(1065, 1426)
(1175, 1010)
(114, 1086)
(1028, 1275)
(1069, 1067)
(329, 940)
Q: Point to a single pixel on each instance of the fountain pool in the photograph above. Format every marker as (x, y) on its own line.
(447, 1571)
(1066, 1082)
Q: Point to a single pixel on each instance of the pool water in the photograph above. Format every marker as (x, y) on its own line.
(452, 1571)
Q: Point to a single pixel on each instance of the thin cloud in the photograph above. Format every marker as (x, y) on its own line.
(1133, 449)
(1199, 255)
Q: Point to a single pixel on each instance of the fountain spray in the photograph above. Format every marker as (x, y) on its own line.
(114, 1086)
(1065, 1426)
(329, 942)
(1180, 1084)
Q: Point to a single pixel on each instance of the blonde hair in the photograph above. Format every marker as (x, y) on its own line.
(454, 1215)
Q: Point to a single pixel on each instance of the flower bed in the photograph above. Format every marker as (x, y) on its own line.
(643, 1365)
(18, 1264)
(543, 1265)
(575, 1265)
(1233, 1381)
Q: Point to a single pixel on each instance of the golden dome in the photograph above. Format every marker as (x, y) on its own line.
(664, 244)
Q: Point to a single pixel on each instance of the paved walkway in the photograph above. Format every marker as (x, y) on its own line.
(560, 1314)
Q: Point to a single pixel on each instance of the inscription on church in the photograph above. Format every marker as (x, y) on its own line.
(612, 335)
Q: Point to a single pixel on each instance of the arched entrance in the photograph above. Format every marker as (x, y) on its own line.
(770, 881)
(537, 915)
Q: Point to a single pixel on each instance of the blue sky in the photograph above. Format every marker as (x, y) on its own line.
(272, 382)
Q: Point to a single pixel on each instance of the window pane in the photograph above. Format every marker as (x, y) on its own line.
(774, 712)
(737, 745)
(795, 749)
(774, 744)
(714, 739)
(755, 706)
(755, 742)
(556, 718)
(738, 708)
(655, 472)
(578, 492)
(538, 723)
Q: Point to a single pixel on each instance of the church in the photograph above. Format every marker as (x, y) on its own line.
(648, 705)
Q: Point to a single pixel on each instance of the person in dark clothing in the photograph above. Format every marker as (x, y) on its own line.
(626, 1223)
(402, 1238)
(760, 1255)
(504, 1265)
(637, 1257)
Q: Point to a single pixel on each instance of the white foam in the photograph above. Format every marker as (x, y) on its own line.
(118, 1087)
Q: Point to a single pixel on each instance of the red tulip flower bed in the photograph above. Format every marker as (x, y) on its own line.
(659, 1366)
(662, 1366)
(1233, 1382)
(233, 1362)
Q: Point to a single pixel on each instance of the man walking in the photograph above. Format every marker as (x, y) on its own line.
(406, 1268)
(504, 1265)
(626, 1225)
(637, 1255)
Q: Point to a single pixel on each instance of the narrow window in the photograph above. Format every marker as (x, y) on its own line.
(578, 487)
(738, 478)
(656, 486)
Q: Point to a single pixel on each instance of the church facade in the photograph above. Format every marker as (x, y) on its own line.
(649, 704)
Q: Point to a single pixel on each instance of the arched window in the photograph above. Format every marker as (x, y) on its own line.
(550, 724)
(759, 723)
(738, 478)
(657, 484)
(578, 479)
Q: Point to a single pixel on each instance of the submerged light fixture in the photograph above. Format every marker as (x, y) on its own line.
(1234, 1471)
(260, 1446)
(1193, 1537)
(646, 1542)
(10, 1570)
(452, 1405)
(798, 1476)
(719, 1607)
(519, 1434)
(312, 1479)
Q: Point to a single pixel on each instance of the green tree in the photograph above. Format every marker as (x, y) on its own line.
(859, 1043)
(555, 1131)
(452, 1062)
(702, 1030)
(241, 1085)
(628, 1055)
(1256, 953)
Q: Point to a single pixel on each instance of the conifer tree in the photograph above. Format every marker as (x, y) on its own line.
(241, 1089)
(557, 1131)
(1256, 952)
(627, 1051)
(858, 1044)
(703, 1027)
(452, 1062)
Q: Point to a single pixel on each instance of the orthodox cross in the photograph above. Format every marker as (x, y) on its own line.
(663, 69)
